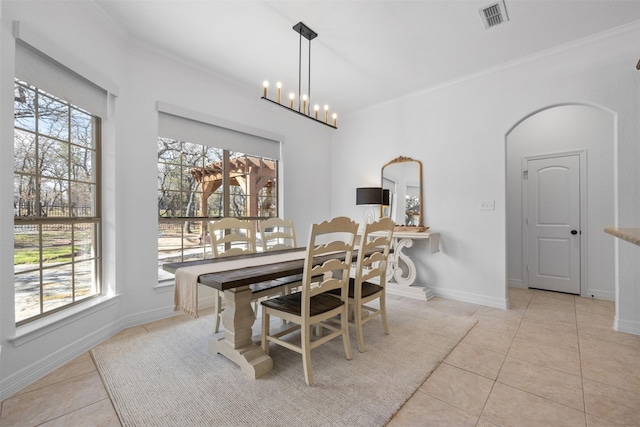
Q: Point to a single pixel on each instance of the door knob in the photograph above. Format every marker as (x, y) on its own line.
(574, 232)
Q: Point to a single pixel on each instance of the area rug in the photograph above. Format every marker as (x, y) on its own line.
(170, 378)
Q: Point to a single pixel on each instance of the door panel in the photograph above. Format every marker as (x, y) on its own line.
(553, 194)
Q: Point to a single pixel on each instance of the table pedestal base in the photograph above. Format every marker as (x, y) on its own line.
(252, 360)
(236, 344)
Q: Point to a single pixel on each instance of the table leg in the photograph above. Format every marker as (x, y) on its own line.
(237, 345)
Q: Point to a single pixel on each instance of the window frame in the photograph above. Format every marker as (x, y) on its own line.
(226, 200)
(69, 219)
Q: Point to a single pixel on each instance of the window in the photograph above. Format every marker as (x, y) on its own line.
(193, 183)
(57, 224)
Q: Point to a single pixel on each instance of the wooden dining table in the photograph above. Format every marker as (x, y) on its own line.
(238, 316)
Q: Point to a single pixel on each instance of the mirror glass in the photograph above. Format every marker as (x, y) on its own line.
(403, 178)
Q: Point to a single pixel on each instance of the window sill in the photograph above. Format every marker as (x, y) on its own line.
(165, 286)
(38, 328)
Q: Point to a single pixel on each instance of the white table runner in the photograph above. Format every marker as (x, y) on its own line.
(185, 296)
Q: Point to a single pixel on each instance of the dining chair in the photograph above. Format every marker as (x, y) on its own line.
(369, 282)
(229, 236)
(277, 233)
(328, 254)
(233, 236)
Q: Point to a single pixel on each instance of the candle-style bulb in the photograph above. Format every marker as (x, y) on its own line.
(278, 91)
(316, 108)
(291, 97)
(265, 86)
(326, 113)
(304, 104)
(335, 120)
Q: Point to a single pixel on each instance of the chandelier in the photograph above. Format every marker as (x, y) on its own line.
(303, 106)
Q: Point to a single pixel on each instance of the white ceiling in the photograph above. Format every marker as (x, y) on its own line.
(366, 52)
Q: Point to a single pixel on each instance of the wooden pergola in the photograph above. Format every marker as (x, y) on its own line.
(250, 173)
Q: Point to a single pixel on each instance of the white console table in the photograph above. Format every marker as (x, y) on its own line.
(401, 270)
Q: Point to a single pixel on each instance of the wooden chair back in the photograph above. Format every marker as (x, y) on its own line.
(373, 255)
(276, 234)
(232, 236)
(334, 239)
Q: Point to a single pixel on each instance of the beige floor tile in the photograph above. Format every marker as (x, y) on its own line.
(518, 304)
(497, 313)
(593, 319)
(551, 384)
(99, 414)
(484, 423)
(536, 384)
(551, 314)
(593, 421)
(508, 406)
(537, 334)
(452, 306)
(459, 388)
(595, 306)
(78, 366)
(500, 325)
(605, 332)
(423, 410)
(621, 353)
(611, 372)
(489, 339)
(127, 333)
(167, 322)
(476, 359)
(52, 401)
(552, 297)
(612, 403)
(568, 326)
(545, 355)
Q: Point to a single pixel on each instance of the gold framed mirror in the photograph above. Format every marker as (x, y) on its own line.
(402, 176)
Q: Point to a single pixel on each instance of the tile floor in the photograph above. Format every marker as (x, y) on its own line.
(550, 360)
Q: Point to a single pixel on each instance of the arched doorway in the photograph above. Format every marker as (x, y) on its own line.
(554, 132)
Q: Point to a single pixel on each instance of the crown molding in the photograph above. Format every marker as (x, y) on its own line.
(585, 41)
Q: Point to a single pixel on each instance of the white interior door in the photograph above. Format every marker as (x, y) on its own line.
(553, 223)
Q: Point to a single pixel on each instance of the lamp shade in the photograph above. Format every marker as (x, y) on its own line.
(369, 196)
(385, 197)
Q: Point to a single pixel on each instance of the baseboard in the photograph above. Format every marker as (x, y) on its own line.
(32, 373)
(471, 298)
(414, 291)
(605, 295)
(516, 283)
(627, 326)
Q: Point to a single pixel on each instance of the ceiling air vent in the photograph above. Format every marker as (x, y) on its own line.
(494, 14)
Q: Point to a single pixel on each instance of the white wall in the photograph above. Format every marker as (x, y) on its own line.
(130, 167)
(560, 129)
(459, 133)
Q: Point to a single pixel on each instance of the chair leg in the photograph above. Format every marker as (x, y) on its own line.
(265, 331)
(344, 320)
(383, 313)
(306, 355)
(217, 312)
(359, 331)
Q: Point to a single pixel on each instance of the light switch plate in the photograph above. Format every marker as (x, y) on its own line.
(487, 205)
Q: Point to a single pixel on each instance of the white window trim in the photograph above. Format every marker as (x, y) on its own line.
(38, 328)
